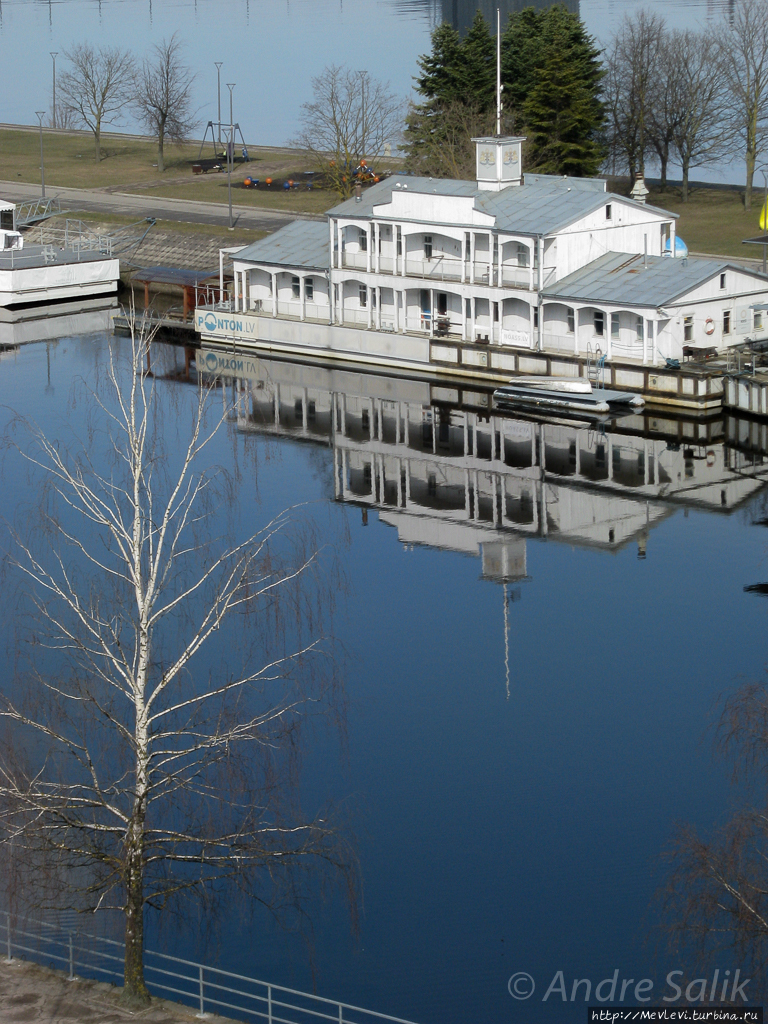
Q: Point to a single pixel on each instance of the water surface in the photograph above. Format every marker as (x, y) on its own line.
(540, 622)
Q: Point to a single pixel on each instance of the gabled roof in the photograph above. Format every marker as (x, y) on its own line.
(302, 243)
(541, 205)
(637, 280)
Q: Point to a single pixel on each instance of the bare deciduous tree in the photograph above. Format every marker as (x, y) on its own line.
(717, 896)
(139, 773)
(743, 43)
(445, 148)
(699, 101)
(164, 96)
(97, 86)
(351, 118)
(632, 70)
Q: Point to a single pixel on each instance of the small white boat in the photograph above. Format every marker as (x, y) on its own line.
(574, 393)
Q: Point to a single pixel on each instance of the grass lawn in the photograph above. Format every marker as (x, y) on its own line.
(714, 220)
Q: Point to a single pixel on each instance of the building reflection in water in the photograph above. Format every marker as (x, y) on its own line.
(461, 13)
(444, 469)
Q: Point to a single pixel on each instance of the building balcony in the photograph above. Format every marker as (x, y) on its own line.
(440, 269)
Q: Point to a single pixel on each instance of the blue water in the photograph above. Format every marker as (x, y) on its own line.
(497, 832)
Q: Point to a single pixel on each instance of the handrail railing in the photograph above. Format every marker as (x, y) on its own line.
(204, 987)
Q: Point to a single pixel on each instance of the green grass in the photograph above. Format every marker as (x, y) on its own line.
(714, 220)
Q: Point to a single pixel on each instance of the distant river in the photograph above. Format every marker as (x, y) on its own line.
(270, 51)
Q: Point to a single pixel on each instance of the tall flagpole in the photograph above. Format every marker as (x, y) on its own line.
(498, 71)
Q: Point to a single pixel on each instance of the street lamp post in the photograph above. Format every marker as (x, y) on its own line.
(54, 55)
(218, 64)
(40, 116)
(230, 152)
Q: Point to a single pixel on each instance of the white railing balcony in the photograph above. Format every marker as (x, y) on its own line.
(438, 268)
(357, 317)
(517, 277)
(355, 260)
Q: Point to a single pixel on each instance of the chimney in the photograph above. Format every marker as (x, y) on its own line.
(639, 189)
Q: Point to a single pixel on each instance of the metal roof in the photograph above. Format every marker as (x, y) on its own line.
(637, 280)
(303, 243)
(175, 275)
(543, 204)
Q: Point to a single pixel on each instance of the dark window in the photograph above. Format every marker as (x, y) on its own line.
(726, 321)
(535, 317)
(363, 293)
(722, 280)
(688, 328)
(608, 211)
(6, 220)
(296, 287)
(309, 289)
(428, 247)
(571, 320)
(363, 241)
(599, 323)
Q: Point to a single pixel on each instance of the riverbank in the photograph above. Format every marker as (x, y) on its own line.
(31, 993)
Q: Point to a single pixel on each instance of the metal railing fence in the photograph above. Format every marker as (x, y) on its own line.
(208, 989)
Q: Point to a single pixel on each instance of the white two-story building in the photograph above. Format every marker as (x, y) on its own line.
(470, 276)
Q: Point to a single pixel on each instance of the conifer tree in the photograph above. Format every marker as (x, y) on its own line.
(562, 113)
(551, 72)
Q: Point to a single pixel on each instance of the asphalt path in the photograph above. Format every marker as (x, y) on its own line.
(140, 206)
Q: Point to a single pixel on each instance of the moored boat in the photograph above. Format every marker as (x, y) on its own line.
(574, 393)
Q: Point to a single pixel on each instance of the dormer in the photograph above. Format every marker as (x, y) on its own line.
(499, 161)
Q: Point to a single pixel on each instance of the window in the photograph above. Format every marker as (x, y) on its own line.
(468, 245)
(309, 289)
(6, 220)
(363, 293)
(399, 242)
(757, 322)
(427, 247)
(296, 287)
(688, 328)
(722, 281)
(639, 328)
(363, 238)
(608, 211)
(522, 255)
(615, 326)
(726, 321)
(571, 320)
(535, 318)
(495, 312)
(599, 323)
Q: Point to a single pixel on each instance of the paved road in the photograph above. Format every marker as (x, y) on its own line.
(139, 206)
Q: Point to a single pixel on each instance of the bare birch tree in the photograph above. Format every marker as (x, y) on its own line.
(139, 773)
(350, 119)
(743, 43)
(164, 96)
(97, 86)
